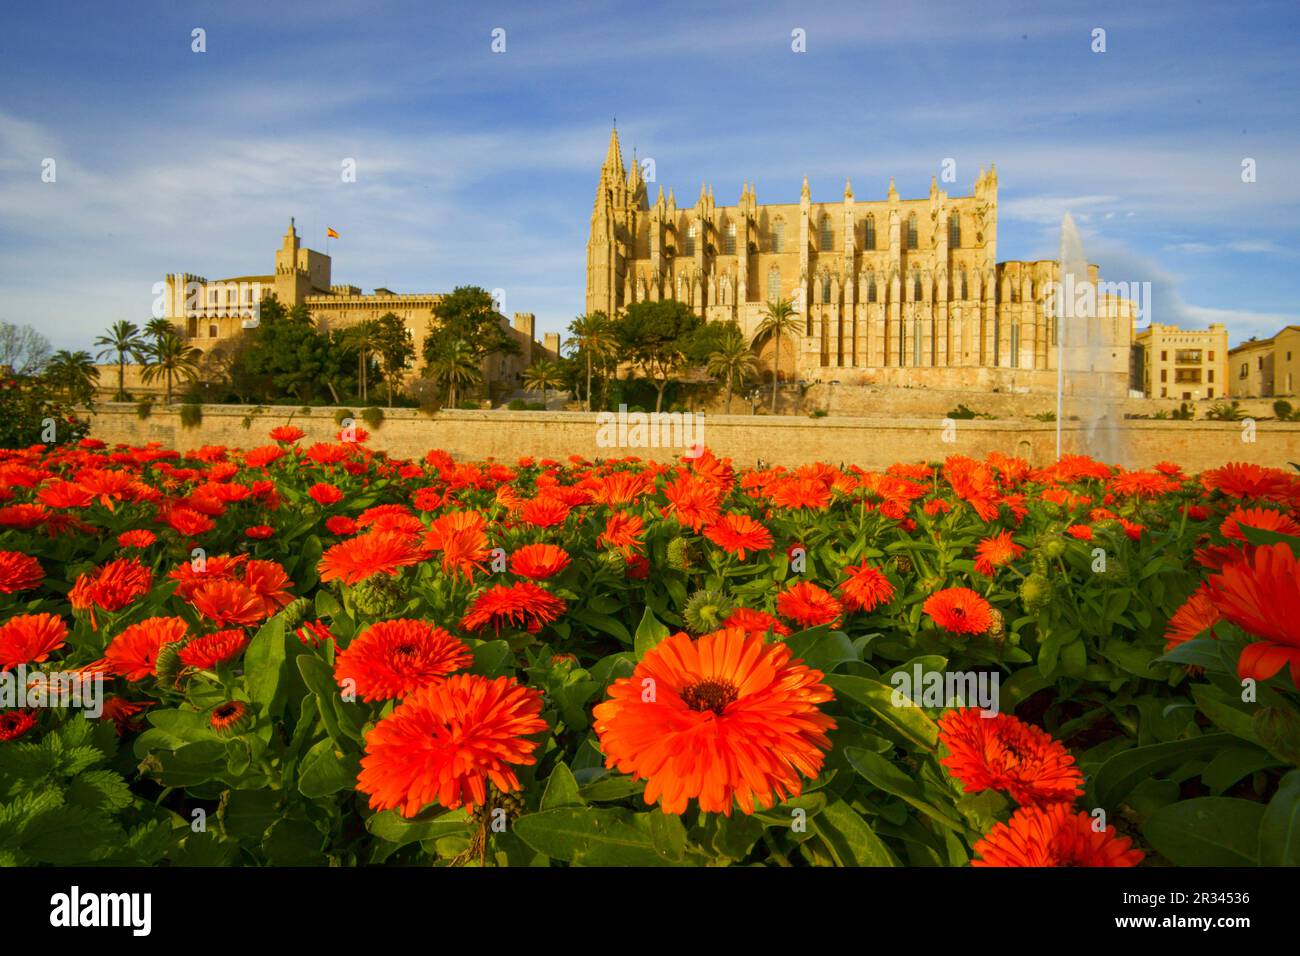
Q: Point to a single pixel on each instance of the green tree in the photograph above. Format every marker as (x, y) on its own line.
(363, 337)
(468, 315)
(395, 348)
(170, 358)
(544, 375)
(455, 366)
(779, 320)
(730, 358)
(155, 330)
(593, 338)
(123, 343)
(73, 374)
(652, 336)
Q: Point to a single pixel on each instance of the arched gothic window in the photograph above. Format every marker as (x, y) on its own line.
(826, 242)
(869, 237)
(954, 231)
(773, 284)
(778, 236)
(911, 231)
(729, 246)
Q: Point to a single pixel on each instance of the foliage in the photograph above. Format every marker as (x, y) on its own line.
(652, 335)
(468, 316)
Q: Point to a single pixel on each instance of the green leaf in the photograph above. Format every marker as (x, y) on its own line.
(612, 787)
(492, 659)
(264, 667)
(1198, 652)
(886, 776)
(648, 634)
(910, 722)
(1122, 772)
(325, 771)
(1224, 715)
(603, 623)
(850, 838)
(1207, 831)
(1279, 831)
(561, 789)
(601, 837)
(822, 649)
(392, 827)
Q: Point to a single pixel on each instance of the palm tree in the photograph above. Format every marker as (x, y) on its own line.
(779, 320)
(733, 359)
(543, 374)
(363, 336)
(157, 329)
(74, 373)
(170, 358)
(125, 342)
(593, 335)
(456, 365)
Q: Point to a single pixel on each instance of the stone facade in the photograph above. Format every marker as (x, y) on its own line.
(1263, 368)
(889, 291)
(1184, 364)
(212, 312)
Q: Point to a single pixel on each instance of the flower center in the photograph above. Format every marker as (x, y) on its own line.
(712, 695)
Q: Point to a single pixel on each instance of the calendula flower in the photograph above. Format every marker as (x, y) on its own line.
(808, 605)
(30, 639)
(959, 611)
(993, 552)
(1261, 595)
(444, 742)
(1054, 835)
(728, 720)
(866, 588)
(1001, 752)
(522, 605)
(15, 723)
(19, 572)
(229, 717)
(737, 534)
(133, 654)
(539, 561)
(376, 552)
(111, 588)
(393, 658)
(206, 652)
(1193, 618)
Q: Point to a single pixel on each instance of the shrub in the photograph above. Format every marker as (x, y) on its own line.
(517, 405)
(343, 414)
(191, 415)
(144, 408)
(1282, 409)
(373, 416)
(961, 412)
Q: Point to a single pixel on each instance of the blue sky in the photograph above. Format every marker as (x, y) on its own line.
(476, 167)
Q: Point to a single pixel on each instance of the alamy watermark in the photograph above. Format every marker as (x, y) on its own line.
(24, 689)
(624, 429)
(922, 688)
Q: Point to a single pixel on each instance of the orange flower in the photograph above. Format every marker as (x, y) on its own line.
(269, 582)
(539, 561)
(228, 718)
(692, 501)
(393, 658)
(801, 493)
(206, 652)
(225, 602)
(1053, 835)
(727, 719)
(111, 588)
(756, 622)
(992, 553)
(286, 434)
(133, 654)
(959, 611)
(808, 605)
(19, 572)
(445, 741)
(544, 512)
(1263, 518)
(375, 552)
(1196, 615)
(522, 604)
(1261, 595)
(30, 639)
(15, 723)
(622, 533)
(136, 538)
(866, 589)
(1243, 480)
(621, 487)
(1001, 752)
(736, 534)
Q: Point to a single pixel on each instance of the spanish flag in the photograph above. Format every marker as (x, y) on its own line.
(331, 233)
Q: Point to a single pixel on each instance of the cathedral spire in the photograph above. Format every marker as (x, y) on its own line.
(848, 188)
(614, 155)
(804, 194)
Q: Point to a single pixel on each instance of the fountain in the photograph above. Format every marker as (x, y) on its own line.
(1089, 368)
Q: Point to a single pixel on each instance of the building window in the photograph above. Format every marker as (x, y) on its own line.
(954, 231)
(911, 231)
(773, 284)
(730, 242)
(1209, 392)
(1164, 356)
(826, 242)
(869, 234)
(964, 287)
(826, 289)
(1211, 356)
(1015, 345)
(690, 240)
(778, 236)
(1164, 375)
(1245, 370)
(871, 287)
(916, 342)
(916, 288)
(1209, 375)
(1187, 376)
(1187, 357)
(212, 332)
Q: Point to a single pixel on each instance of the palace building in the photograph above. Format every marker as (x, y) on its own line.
(892, 291)
(212, 312)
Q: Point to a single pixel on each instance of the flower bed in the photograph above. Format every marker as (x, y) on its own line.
(322, 655)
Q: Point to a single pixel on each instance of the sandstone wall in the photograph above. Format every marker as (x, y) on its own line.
(869, 442)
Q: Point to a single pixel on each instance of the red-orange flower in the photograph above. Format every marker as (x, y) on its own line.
(959, 611)
(111, 588)
(808, 605)
(1001, 752)
(866, 588)
(736, 534)
(1196, 615)
(1262, 518)
(995, 551)
(19, 572)
(692, 500)
(393, 658)
(523, 605)
(133, 654)
(1054, 835)
(376, 552)
(445, 741)
(206, 652)
(225, 602)
(539, 561)
(228, 717)
(30, 639)
(15, 723)
(756, 622)
(1261, 595)
(727, 719)
(622, 533)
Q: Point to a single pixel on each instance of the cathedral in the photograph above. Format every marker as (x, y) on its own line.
(892, 291)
